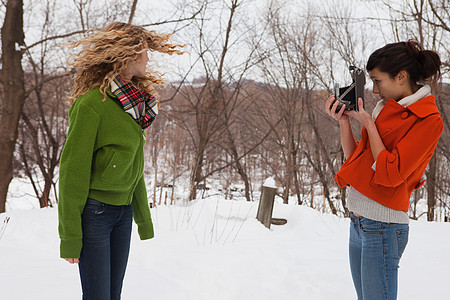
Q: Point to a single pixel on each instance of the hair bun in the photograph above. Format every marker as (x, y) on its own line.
(414, 48)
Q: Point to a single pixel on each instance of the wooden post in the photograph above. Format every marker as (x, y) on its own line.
(265, 207)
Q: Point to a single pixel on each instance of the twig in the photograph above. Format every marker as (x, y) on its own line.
(242, 224)
(195, 234)
(234, 225)
(226, 223)
(3, 229)
(214, 225)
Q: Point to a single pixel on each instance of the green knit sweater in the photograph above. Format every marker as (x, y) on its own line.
(103, 159)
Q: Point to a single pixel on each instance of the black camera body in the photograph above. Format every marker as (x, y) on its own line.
(349, 95)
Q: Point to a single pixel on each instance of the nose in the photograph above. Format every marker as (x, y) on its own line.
(375, 89)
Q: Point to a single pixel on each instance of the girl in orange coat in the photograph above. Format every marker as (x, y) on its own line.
(386, 165)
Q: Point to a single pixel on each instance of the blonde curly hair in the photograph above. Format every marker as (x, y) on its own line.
(108, 52)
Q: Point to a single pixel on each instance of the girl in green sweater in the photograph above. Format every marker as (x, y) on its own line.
(101, 183)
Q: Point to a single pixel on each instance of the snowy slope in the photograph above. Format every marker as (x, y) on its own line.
(216, 249)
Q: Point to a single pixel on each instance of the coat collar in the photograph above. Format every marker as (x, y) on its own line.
(423, 92)
(422, 108)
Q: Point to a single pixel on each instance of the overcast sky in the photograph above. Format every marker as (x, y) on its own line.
(370, 17)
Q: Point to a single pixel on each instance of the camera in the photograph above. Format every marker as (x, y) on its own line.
(349, 95)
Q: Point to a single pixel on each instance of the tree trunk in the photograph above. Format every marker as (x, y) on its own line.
(289, 169)
(155, 165)
(296, 181)
(196, 173)
(416, 200)
(344, 202)
(239, 167)
(44, 199)
(431, 188)
(288, 154)
(13, 86)
(323, 179)
(326, 191)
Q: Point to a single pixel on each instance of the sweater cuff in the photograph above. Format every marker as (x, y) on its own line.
(70, 248)
(145, 230)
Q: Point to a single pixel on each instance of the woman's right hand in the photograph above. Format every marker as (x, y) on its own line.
(72, 260)
(331, 109)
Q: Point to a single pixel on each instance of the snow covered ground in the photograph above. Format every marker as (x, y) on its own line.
(216, 249)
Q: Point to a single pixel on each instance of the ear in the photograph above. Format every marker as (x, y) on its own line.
(402, 77)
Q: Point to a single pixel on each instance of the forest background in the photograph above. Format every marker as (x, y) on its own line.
(245, 103)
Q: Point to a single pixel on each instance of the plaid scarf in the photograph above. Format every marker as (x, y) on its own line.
(142, 106)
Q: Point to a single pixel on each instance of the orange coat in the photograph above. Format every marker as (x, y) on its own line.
(410, 135)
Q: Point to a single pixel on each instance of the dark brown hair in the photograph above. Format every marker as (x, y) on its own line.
(420, 64)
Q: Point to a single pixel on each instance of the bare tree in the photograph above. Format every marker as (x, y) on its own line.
(279, 66)
(205, 101)
(289, 68)
(13, 91)
(42, 137)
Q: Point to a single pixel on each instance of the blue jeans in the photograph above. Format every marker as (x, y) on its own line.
(375, 250)
(106, 245)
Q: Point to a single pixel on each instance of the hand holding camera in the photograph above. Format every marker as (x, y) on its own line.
(331, 108)
(349, 95)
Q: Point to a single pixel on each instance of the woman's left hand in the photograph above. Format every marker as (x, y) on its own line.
(362, 116)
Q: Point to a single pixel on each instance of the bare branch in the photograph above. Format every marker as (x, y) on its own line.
(442, 24)
(192, 17)
(133, 9)
(47, 80)
(55, 38)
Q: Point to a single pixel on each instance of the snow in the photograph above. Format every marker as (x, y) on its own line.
(270, 182)
(216, 249)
